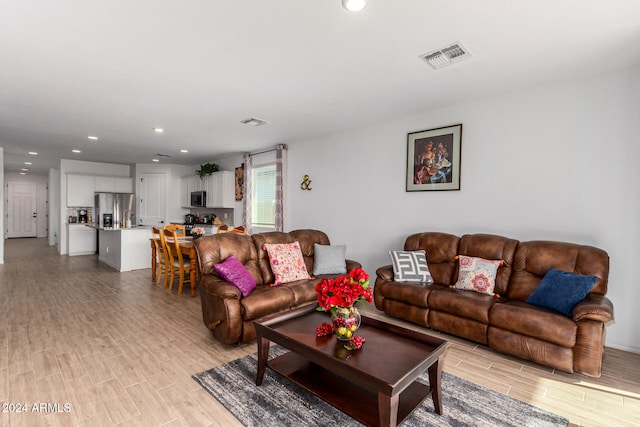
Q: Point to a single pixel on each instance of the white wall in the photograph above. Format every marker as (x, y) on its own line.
(90, 168)
(555, 162)
(2, 196)
(41, 182)
(54, 210)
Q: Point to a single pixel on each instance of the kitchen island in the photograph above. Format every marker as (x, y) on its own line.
(125, 249)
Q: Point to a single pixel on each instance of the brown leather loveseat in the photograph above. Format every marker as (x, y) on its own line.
(504, 321)
(225, 311)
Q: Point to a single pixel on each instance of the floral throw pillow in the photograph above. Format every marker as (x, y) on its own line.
(286, 262)
(477, 274)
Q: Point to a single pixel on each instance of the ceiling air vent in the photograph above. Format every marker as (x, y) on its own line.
(446, 56)
(163, 155)
(254, 121)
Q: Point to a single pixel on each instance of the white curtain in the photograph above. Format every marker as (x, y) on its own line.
(281, 168)
(246, 201)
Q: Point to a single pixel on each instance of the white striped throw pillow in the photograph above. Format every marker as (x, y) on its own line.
(410, 266)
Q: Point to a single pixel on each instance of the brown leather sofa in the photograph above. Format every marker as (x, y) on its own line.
(506, 323)
(225, 312)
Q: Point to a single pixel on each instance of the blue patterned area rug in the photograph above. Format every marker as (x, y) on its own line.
(278, 402)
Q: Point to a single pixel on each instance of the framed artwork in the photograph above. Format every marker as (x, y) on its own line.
(239, 182)
(433, 159)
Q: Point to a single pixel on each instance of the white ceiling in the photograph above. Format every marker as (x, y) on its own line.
(118, 68)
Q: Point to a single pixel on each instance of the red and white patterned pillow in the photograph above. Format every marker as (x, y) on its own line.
(477, 274)
(286, 262)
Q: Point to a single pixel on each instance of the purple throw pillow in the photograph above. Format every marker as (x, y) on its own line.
(235, 273)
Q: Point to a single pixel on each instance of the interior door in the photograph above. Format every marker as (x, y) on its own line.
(152, 199)
(22, 211)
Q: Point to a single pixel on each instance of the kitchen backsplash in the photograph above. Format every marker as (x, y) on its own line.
(225, 215)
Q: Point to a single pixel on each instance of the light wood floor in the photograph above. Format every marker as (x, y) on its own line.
(118, 350)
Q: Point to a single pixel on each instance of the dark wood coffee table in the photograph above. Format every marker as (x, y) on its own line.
(376, 385)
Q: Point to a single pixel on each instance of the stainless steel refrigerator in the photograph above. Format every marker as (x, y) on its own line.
(120, 207)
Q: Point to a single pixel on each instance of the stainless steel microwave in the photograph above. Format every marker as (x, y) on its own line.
(198, 199)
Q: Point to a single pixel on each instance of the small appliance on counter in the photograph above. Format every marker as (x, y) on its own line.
(107, 220)
(189, 219)
(82, 216)
(73, 219)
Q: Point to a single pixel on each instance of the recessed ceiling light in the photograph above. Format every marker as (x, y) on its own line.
(28, 163)
(184, 151)
(354, 5)
(24, 169)
(22, 173)
(158, 130)
(155, 160)
(33, 153)
(76, 151)
(93, 137)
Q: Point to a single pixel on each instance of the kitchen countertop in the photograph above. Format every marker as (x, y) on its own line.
(132, 228)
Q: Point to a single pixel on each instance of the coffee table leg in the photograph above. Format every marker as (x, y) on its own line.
(388, 409)
(435, 375)
(263, 355)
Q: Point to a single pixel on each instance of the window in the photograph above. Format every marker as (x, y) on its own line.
(263, 204)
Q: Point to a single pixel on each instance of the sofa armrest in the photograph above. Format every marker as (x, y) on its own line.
(218, 287)
(594, 307)
(221, 309)
(352, 265)
(385, 273)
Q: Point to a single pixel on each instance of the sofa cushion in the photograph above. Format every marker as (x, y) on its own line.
(234, 272)
(286, 262)
(469, 305)
(410, 266)
(561, 291)
(304, 291)
(441, 248)
(477, 274)
(533, 321)
(265, 300)
(329, 259)
(491, 246)
(535, 258)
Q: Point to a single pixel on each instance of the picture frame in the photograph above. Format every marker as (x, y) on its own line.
(239, 182)
(433, 159)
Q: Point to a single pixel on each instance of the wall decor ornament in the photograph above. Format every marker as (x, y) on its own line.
(240, 182)
(306, 183)
(433, 159)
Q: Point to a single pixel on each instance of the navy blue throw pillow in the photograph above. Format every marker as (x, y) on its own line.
(561, 291)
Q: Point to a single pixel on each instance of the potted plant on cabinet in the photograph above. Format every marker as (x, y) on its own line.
(207, 169)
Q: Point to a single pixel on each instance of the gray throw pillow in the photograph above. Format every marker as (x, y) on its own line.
(410, 266)
(329, 259)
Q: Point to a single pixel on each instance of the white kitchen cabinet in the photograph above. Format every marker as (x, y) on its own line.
(123, 185)
(189, 184)
(80, 189)
(221, 191)
(82, 239)
(185, 194)
(114, 184)
(105, 184)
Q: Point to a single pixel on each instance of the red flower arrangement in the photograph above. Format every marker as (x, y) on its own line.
(344, 291)
(338, 296)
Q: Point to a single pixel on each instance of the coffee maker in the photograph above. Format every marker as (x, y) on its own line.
(82, 216)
